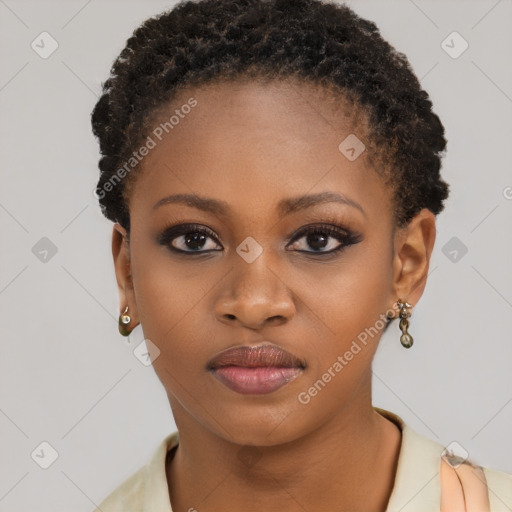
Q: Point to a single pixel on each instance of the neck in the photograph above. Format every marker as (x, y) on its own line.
(331, 468)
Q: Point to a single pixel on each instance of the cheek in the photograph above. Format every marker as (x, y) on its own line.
(347, 303)
(340, 298)
(171, 300)
(350, 294)
(339, 303)
(351, 306)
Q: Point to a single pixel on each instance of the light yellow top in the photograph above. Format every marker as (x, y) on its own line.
(416, 489)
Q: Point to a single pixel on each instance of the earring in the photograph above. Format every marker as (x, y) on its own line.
(124, 320)
(406, 339)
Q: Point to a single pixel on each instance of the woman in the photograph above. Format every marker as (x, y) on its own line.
(272, 170)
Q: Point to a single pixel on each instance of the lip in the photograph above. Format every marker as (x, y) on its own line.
(255, 369)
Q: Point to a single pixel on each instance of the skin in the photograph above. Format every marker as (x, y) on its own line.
(252, 145)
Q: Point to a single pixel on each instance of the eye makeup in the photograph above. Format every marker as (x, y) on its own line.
(190, 238)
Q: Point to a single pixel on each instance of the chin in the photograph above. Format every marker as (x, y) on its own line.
(268, 425)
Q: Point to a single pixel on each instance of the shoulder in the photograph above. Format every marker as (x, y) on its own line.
(128, 496)
(418, 484)
(499, 484)
(146, 489)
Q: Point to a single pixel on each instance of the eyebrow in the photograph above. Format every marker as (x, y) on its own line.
(284, 207)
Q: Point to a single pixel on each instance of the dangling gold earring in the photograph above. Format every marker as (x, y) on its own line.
(406, 339)
(124, 320)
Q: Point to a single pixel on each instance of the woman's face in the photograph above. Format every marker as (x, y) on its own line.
(260, 158)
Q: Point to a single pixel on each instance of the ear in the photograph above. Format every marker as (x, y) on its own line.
(413, 248)
(122, 266)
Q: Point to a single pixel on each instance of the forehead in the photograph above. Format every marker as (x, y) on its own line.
(253, 143)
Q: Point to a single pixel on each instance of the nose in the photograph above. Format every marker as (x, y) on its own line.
(254, 295)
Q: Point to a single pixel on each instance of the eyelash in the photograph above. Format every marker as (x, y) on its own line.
(345, 236)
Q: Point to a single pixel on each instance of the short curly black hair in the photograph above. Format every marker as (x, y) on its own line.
(316, 41)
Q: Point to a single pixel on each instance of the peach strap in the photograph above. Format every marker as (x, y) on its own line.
(463, 488)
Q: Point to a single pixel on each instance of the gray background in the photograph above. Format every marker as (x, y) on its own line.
(68, 377)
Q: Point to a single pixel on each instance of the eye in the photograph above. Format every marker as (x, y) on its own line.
(189, 238)
(197, 239)
(324, 239)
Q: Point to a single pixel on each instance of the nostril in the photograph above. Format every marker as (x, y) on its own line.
(278, 319)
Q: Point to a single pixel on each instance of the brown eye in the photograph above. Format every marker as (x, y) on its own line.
(189, 238)
(324, 239)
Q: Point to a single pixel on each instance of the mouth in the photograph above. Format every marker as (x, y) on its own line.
(255, 370)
